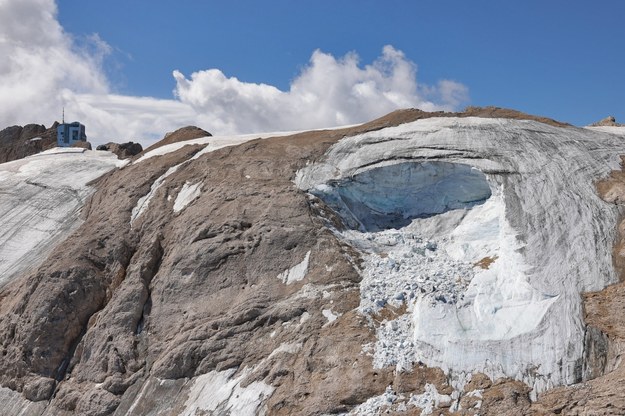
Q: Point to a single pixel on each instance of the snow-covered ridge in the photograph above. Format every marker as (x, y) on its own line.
(493, 286)
(42, 196)
(213, 143)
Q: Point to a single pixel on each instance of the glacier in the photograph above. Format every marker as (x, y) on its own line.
(42, 196)
(487, 231)
(478, 235)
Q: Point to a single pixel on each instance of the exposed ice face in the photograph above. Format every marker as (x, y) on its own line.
(490, 282)
(391, 196)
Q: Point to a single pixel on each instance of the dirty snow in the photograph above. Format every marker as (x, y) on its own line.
(14, 403)
(187, 194)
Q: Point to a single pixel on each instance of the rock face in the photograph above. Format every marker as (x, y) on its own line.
(317, 274)
(182, 134)
(122, 150)
(17, 142)
(609, 121)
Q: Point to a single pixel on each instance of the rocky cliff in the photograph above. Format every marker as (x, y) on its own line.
(17, 142)
(456, 263)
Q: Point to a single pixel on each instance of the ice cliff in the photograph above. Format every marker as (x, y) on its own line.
(428, 202)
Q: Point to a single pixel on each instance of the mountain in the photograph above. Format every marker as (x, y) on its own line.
(455, 263)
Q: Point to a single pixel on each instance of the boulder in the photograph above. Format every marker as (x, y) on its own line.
(122, 150)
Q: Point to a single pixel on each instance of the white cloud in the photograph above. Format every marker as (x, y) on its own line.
(328, 92)
(37, 62)
(43, 70)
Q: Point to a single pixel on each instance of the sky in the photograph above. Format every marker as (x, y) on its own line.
(134, 70)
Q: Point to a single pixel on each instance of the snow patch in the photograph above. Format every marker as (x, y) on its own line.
(144, 201)
(295, 273)
(329, 315)
(187, 194)
(375, 405)
(221, 393)
(391, 402)
(61, 150)
(304, 318)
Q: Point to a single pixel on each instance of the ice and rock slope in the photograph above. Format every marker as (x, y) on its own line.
(420, 263)
(488, 230)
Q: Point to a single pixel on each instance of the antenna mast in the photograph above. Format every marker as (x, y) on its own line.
(63, 117)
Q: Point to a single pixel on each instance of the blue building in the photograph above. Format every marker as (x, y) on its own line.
(69, 133)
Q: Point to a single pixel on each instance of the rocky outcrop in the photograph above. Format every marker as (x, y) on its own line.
(122, 150)
(17, 142)
(234, 291)
(182, 134)
(609, 121)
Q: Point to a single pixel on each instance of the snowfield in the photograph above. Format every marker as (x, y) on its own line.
(42, 196)
(486, 230)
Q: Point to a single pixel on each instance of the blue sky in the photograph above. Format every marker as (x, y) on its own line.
(562, 59)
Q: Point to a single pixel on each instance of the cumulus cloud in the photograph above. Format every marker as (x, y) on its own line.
(44, 69)
(328, 92)
(39, 63)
